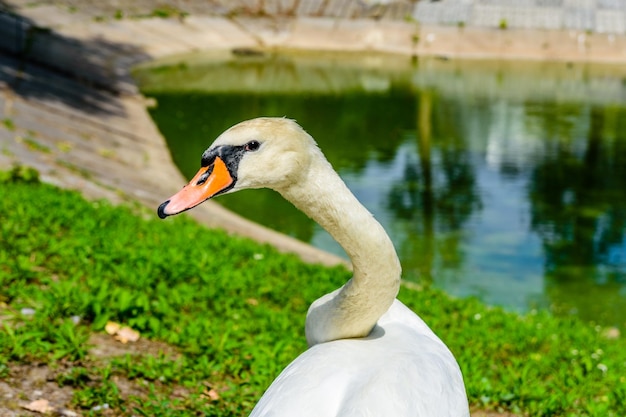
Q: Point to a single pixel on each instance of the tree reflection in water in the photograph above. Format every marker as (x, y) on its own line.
(437, 192)
(578, 193)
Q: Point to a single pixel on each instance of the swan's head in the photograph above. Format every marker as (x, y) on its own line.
(258, 153)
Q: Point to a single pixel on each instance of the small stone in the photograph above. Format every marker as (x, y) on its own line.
(26, 311)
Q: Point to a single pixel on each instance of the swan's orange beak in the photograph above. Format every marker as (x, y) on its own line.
(209, 181)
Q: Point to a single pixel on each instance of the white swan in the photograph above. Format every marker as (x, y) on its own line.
(369, 355)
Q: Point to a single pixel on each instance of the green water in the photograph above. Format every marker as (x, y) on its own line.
(505, 182)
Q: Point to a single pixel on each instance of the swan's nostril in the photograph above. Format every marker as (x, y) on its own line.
(205, 176)
(202, 179)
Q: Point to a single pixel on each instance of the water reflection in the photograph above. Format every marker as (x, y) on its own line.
(577, 193)
(513, 193)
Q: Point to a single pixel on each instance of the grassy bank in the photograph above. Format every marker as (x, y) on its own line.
(230, 314)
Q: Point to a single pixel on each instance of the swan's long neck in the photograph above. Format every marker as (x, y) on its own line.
(353, 310)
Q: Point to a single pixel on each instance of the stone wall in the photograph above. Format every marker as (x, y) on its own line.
(602, 16)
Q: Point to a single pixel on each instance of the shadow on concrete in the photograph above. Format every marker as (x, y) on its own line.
(40, 63)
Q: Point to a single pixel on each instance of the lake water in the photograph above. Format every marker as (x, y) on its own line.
(500, 180)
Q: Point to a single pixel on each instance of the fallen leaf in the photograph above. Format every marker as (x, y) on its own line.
(112, 327)
(121, 333)
(211, 394)
(39, 406)
(126, 334)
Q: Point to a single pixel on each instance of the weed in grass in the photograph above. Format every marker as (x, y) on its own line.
(106, 153)
(32, 144)
(167, 11)
(23, 343)
(153, 368)
(77, 376)
(70, 341)
(8, 124)
(74, 168)
(20, 173)
(4, 368)
(106, 392)
(65, 146)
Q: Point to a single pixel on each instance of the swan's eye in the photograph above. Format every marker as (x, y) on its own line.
(252, 146)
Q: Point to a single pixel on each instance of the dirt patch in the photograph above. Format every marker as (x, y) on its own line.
(27, 383)
(104, 346)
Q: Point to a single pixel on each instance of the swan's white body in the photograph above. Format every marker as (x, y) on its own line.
(369, 355)
(400, 369)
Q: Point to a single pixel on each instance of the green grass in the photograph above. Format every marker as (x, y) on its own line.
(234, 310)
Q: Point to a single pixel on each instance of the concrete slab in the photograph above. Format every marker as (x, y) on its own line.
(352, 35)
(183, 37)
(221, 33)
(310, 8)
(117, 40)
(267, 32)
(50, 16)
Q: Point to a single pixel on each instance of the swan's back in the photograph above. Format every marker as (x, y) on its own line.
(400, 369)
